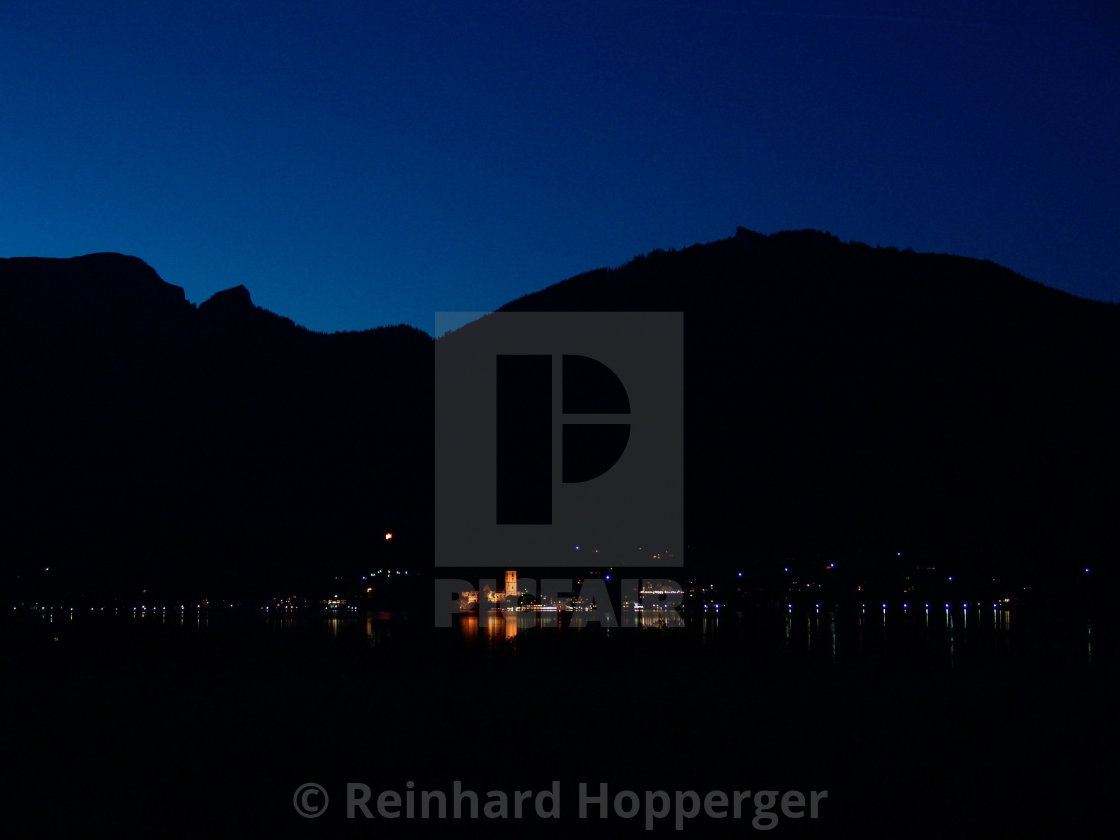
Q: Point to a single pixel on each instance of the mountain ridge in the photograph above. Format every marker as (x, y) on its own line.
(840, 400)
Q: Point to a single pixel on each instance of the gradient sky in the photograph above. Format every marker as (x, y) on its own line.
(356, 164)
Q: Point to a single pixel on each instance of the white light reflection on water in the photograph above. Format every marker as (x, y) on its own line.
(961, 634)
(831, 633)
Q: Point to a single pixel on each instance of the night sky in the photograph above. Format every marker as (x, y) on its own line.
(357, 164)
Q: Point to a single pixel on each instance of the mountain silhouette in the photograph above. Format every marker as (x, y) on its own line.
(152, 444)
(840, 400)
(858, 401)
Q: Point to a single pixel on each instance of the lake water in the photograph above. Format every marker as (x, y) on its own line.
(838, 634)
(978, 721)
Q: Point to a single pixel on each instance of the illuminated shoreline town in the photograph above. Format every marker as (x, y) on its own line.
(597, 594)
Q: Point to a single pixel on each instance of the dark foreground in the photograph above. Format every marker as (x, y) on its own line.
(161, 728)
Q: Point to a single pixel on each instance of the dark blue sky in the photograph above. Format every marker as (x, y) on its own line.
(365, 163)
